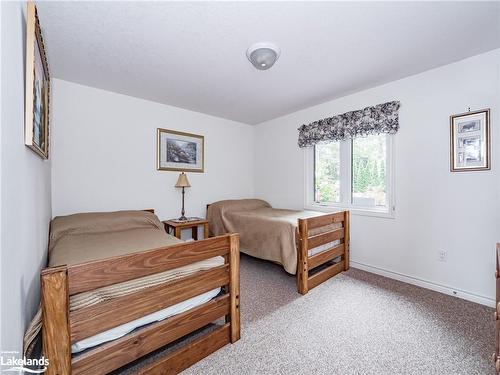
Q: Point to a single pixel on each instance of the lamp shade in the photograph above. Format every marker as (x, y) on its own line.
(182, 181)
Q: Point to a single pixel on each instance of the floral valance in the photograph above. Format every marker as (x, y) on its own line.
(382, 118)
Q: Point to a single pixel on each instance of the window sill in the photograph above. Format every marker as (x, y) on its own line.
(359, 211)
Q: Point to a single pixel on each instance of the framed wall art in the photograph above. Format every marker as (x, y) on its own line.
(36, 124)
(178, 151)
(470, 141)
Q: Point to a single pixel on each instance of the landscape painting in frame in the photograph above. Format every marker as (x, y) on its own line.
(178, 151)
(37, 87)
(470, 141)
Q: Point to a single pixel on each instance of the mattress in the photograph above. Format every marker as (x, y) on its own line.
(122, 330)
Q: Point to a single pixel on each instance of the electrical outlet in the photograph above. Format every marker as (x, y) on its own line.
(442, 255)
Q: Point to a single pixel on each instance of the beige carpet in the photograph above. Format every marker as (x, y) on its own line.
(355, 323)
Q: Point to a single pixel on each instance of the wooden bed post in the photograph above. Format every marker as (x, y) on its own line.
(55, 320)
(234, 286)
(347, 239)
(302, 267)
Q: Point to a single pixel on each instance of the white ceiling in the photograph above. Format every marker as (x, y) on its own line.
(192, 54)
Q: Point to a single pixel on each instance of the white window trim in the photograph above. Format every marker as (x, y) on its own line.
(345, 169)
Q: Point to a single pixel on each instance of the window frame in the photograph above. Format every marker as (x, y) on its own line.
(346, 183)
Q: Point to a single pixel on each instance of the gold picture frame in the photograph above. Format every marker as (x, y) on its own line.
(36, 122)
(470, 145)
(179, 151)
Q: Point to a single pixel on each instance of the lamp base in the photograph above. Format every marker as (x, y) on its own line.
(182, 218)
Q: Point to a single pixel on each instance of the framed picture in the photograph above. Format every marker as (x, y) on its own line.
(36, 122)
(178, 151)
(470, 141)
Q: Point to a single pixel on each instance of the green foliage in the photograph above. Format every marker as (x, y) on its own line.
(327, 176)
(367, 173)
(368, 170)
(368, 163)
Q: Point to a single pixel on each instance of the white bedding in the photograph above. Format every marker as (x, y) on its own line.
(326, 246)
(122, 330)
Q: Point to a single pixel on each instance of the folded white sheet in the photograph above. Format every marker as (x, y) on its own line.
(122, 330)
(326, 246)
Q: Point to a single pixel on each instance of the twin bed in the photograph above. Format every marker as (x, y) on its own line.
(118, 287)
(312, 245)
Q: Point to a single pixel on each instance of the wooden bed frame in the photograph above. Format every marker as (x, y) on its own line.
(62, 327)
(306, 277)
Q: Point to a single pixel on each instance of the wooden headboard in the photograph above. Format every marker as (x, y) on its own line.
(152, 210)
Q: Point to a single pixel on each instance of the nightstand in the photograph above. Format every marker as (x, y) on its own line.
(175, 227)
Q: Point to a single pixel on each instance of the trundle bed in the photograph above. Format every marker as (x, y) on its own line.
(312, 245)
(118, 287)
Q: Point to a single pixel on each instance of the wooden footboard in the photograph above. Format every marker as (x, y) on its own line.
(61, 327)
(306, 264)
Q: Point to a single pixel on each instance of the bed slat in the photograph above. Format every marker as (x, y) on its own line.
(115, 354)
(184, 357)
(321, 221)
(92, 275)
(91, 320)
(325, 256)
(325, 274)
(324, 238)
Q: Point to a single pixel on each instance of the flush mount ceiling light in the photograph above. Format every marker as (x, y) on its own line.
(263, 55)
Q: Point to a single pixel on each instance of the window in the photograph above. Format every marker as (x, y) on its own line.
(369, 182)
(354, 174)
(327, 173)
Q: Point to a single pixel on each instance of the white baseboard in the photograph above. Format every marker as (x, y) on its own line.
(426, 284)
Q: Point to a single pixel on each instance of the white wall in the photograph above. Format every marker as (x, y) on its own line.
(1, 81)
(104, 154)
(25, 190)
(436, 209)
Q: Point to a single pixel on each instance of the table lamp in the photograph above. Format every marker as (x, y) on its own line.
(182, 182)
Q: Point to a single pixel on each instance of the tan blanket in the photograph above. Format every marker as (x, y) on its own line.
(265, 232)
(84, 237)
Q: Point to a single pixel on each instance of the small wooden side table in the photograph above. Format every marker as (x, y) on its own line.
(177, 227)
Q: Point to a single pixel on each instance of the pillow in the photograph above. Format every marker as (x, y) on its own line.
(216, 211)
(229, 205)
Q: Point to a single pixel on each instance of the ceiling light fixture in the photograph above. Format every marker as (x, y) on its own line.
(263, 55)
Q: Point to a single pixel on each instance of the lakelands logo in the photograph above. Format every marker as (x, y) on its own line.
(10, 362)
